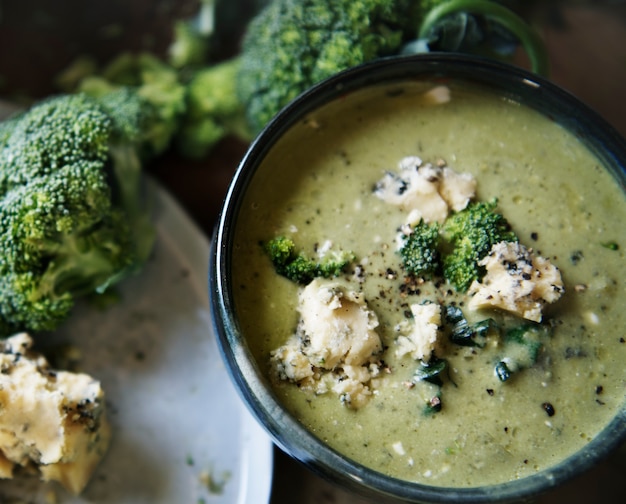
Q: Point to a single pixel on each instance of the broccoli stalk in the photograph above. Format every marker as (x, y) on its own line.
(69, 226)
(455, 15)
(295, 266)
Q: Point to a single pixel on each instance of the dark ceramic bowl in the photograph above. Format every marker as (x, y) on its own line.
(290, 435)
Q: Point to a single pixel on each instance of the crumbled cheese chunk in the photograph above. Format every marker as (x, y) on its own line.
(398, 448)
(422, 338)
(335, 345)
(457, 189)
(426, 191)
(291, 364)
(517, 281)
(437, 95)
(51, 421)
(338, 325)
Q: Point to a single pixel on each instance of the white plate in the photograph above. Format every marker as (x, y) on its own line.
(175, 414)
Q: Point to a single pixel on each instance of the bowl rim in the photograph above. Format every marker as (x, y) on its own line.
(292, 437)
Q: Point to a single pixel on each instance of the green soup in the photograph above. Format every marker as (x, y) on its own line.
(316, 184)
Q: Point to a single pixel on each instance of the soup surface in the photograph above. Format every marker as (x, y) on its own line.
(316, 186)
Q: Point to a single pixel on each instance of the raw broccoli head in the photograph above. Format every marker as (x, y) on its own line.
(420, 250)
(64, 228)
(295, 266)
(292, 44)
(471, 233)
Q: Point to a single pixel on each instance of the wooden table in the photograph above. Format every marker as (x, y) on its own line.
(588, 59)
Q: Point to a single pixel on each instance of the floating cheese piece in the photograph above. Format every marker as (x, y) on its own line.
(337, 324)
(335, 344)
(437, 95)
(517, 281)
(51, 421)
(457, 188)
(426, 191)
(424, 331)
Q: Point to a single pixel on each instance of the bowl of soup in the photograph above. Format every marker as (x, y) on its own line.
(356, 327)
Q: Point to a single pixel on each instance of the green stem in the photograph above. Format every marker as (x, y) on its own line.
(528, 37)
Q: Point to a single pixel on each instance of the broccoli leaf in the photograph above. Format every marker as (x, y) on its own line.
(431, 371)
(465, 334)
(522, 347)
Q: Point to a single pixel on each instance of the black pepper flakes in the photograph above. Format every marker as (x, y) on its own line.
(490, 391)
(548, 408)
(576, 256)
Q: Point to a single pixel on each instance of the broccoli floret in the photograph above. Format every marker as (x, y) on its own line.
(295, 266)
(213, 110)
(471, 233)
(292, 44)
(190, 44)
(6, 129)
(141, 82)
(420, 250)
(68, 225)
(193, 107)
(132, 115)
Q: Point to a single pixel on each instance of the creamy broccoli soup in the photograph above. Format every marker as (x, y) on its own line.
(493, 411)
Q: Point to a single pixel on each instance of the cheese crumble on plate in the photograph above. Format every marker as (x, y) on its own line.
(51, 422)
